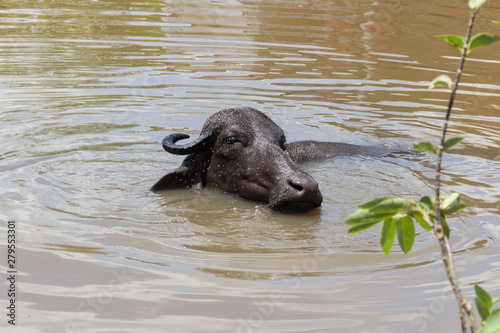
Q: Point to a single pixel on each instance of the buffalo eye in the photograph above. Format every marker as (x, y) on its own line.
(231, 140)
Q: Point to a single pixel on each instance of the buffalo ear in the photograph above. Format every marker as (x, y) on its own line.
(176, 179)
(190, 174)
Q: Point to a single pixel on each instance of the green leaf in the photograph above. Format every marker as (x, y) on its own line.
(426, 146)
(492, 324)
(424, 208)
(441, 80)
(496, 22)
(374, 202)
(362, 216)
(426, 203)
(495, 301)
(483, 310)
(457, 42)
(360, 227)
(482, 39)
(387, 235)
(406, 232)
(452, 204)
(392, 205)
(475, 4)
(421, 221)
(494, 105)
(446, 228)
(450, 142)
(483, 296)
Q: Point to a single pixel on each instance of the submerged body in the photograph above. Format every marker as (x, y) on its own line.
(241, 151)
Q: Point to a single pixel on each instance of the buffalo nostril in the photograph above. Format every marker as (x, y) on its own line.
(296, 184)
(301, 195)
(303, 183)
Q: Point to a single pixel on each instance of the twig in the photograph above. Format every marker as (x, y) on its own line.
(463, 306)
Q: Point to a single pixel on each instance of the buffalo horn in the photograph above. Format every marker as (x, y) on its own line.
(169, 144)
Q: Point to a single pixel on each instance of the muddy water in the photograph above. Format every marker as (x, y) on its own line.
(88, 89)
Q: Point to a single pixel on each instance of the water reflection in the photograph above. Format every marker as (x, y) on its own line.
(79, 249)
(216, 222)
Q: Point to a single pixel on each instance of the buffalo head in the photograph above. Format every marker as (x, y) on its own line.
(241, 151)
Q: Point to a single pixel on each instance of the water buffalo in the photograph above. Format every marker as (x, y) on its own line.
(241, 151)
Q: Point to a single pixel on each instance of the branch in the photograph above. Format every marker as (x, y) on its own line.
(427, 220)
(463, 306)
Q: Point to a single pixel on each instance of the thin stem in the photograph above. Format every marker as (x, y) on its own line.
(427, 220)
(463, 305)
